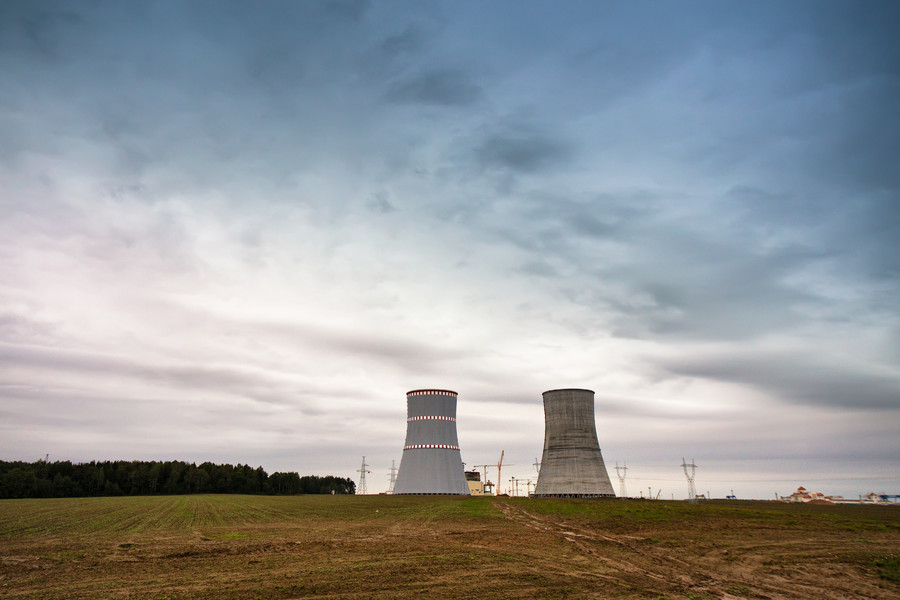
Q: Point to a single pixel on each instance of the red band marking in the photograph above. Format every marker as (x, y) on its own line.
(431, 393)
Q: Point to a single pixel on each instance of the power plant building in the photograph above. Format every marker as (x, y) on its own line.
(431, 462)
(476, 486)
(571, 465)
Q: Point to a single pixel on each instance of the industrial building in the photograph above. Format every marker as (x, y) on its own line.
(476, 486)
(572, 464)
(431, 462)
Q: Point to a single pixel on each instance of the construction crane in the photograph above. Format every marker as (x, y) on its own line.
(487, 483)
(500, 468)
(484, 469)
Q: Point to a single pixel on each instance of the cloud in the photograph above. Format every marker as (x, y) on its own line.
(316, 207)
(408, 42)
(421, 354)
(380, 203)
(229, 380)
(441, 87)
(521, 151)
(798, 377)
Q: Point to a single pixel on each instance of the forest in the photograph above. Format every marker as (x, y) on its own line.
(65, 479)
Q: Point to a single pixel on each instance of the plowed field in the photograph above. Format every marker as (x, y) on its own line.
(442, 547)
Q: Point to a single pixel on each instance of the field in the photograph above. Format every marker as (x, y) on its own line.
(441, 547)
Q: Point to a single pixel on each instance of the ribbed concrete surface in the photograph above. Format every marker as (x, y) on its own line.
(424, 468)
(571, 464)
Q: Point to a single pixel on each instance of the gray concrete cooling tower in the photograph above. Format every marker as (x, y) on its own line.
(571, 466)
(431, 462)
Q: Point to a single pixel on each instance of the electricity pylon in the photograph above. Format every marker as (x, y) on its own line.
(621, 475)
(362, 477)
(393, 476)
(692, 493)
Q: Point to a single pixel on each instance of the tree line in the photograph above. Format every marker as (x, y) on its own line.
(64, 479)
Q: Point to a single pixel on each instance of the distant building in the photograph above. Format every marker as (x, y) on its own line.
(802, 495)
(476, 486)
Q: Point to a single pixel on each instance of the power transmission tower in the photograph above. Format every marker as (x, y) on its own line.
(621, 475)
(393, 476)
(537, 466)
(692, 493)
(362, 477)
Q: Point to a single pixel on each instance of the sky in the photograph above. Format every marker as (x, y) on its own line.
(241, 232)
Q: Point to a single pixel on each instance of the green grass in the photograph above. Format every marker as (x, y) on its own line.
(889, 567)
(287, 547)
(134, 515)
(738, 590)
(754, 513)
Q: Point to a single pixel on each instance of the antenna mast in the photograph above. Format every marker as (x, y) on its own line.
(692, 493)
(621, 475)
(362, 477)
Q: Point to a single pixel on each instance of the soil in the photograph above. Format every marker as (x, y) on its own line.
(412, 547)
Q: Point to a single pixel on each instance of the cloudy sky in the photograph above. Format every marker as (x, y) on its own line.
(240, 233)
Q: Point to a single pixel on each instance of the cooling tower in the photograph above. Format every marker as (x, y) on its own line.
(431, 462)
(571, 466)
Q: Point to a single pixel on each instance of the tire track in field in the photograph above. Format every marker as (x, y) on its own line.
(572, 534)
(639, 563)
(664, 567)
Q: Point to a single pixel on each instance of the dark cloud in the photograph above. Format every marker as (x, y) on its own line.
(521, 151)
(381, 203)
(684, 287)
(656, 275)
(441, 87)
(539, 268)
(347, 9)
(857, 235)
(167, 90)
(407, 42)
(797, 378)
(25, 26)
(252, 384)
(16, 328)
(422, 355)
(724, 267)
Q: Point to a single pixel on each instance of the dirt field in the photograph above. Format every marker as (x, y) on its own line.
(440, 547)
